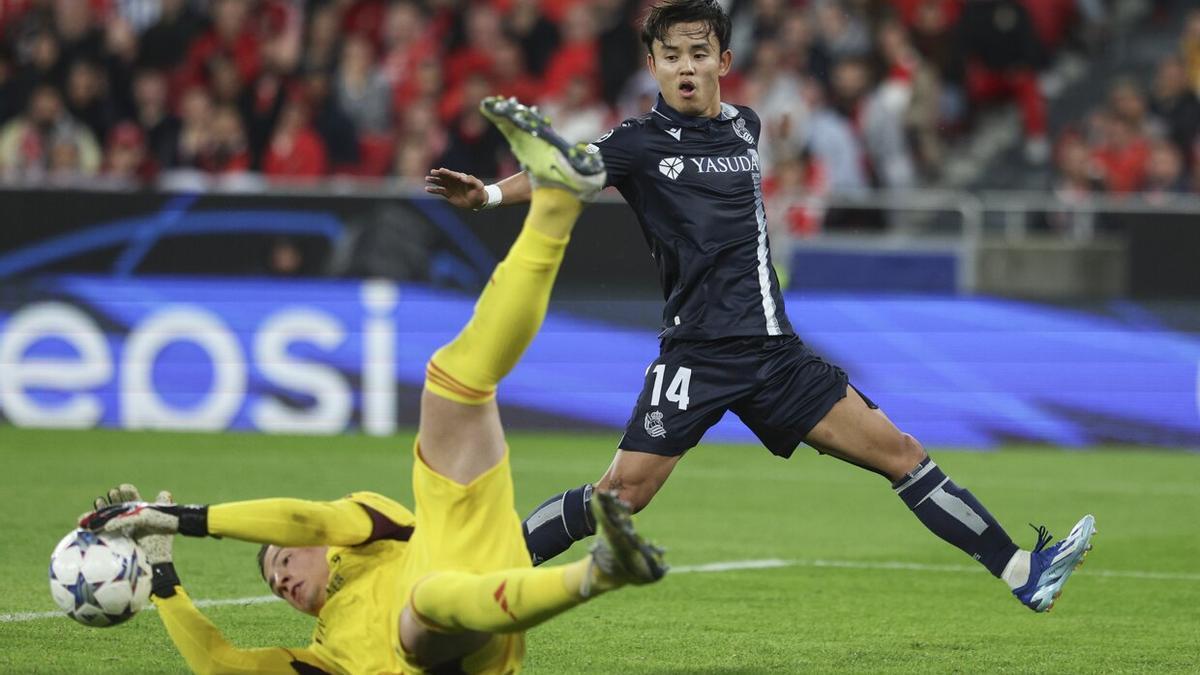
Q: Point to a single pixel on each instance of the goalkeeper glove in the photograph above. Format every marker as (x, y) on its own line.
(135, 518)
(157, 546)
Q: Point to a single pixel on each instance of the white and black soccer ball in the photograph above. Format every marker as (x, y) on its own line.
(99, 579)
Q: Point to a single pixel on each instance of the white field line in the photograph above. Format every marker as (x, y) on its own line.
(34, 616)
(730, 566)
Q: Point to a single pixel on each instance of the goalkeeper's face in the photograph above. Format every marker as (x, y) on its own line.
(298, 575)
(689, 65)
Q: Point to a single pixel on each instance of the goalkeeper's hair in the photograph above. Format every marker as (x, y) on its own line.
(262, 558)
(666, 13)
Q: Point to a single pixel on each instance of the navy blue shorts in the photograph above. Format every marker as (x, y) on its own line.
(777, 386)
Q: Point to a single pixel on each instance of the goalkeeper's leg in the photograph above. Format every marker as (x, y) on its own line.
(460, 435)
(512, 306)
(514, 600)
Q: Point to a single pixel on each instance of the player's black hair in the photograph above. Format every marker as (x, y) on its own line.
(666, 13)
(262, 558)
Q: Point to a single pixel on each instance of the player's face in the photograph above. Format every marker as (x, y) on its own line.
(298, 575)
(688, 66)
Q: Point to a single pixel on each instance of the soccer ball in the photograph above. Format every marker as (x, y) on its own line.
(99, 579)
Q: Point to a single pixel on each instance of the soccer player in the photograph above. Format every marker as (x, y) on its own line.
(690, 169)
(450, 589)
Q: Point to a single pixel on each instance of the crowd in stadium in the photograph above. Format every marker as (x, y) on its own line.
(1144, 138)
(854, 93)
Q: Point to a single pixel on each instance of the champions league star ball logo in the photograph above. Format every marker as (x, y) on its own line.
(671, 167)
(654, 424)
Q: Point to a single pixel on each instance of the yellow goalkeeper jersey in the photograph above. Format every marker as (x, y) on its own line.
(358, 628)
(470, 527)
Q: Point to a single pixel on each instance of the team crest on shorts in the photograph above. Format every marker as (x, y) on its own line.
(654, 425)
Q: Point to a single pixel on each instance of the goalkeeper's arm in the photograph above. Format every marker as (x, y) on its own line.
(207, 651)
(198, 640)
(280, 521)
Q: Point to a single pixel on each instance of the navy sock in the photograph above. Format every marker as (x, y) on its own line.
(559, 522)
(954, 514)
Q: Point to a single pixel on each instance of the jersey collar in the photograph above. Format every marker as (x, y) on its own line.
(673, 116)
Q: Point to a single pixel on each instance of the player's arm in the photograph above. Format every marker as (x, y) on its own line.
(207, 651)
(357, 519)
(298, 522)
(468, 192)
(196, 638)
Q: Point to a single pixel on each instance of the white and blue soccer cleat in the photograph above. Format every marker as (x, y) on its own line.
(1050, 567)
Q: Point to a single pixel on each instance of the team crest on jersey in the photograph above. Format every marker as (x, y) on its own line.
(654, 424)
(739, 128)
(671, 167)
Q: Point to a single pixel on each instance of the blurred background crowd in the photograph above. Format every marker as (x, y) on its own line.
(853, 93)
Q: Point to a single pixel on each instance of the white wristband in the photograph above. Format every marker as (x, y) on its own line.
(494, 196)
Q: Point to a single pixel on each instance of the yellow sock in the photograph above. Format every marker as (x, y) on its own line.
(512, 306)
(497, 602)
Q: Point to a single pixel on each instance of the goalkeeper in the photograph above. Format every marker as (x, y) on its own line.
(450, 589)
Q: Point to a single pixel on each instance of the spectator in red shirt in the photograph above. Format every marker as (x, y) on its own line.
(231, 36)
(509, 76)
(1121, 154)
(483, 33)
(227, 152)
(1002, 53)
(125, 156)
(408, 39)
(425, 85)
(296, 151)
(578, 55)
(365, 17)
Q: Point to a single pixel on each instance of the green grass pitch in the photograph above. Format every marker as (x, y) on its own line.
(862, 587)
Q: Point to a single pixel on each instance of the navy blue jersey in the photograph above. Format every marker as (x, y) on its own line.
(696, 187)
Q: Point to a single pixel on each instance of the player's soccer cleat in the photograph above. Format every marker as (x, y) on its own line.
(621, 554)
(1049, 568)
(549, 159)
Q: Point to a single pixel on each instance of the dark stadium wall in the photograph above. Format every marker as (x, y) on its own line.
(420, 239)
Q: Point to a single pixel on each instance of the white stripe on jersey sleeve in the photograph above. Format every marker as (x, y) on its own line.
(764, 271)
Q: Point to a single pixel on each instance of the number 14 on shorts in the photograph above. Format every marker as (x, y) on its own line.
(677, 392)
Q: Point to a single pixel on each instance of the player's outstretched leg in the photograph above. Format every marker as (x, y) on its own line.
(512, 306)
(1050, 567)
(951, 512)
(519, 599)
